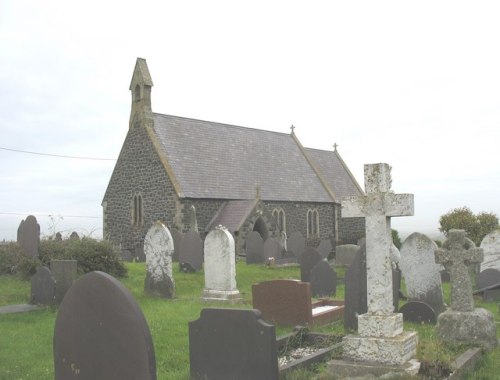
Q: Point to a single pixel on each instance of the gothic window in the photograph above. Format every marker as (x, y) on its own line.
(137, 210)
(280, 220)
(312, 223)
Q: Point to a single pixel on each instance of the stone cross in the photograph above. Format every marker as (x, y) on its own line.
(456, 255)
(377, 207)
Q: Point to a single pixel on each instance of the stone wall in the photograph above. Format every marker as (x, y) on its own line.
(205, 211)
(350, 230)
(137, 171)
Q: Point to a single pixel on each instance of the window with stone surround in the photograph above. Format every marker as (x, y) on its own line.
(312, 223)
(280, 220)
(137, 210)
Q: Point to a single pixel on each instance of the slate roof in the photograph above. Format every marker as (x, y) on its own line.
(218, 161)
(232, 214)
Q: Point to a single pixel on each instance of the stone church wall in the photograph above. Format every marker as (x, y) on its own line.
(351, 230)
(138, 171)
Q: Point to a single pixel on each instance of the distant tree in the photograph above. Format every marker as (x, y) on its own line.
(476, 226)
(395, 238)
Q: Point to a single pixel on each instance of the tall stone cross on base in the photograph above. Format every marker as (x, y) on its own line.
(377, 207)
(457, 254)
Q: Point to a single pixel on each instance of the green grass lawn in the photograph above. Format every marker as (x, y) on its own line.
(26, 339)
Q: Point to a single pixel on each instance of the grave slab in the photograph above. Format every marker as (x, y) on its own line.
(254, 248)
(296, 243)
(191, 250)
(323, 280)
(65, 274)
(28, 235)
(43, 287)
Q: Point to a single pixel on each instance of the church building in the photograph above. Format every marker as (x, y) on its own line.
(195, 175)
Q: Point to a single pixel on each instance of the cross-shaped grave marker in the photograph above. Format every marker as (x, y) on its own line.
(457, 255)
(377, 207)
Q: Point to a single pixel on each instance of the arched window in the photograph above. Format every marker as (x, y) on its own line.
(280, 220)
(137, 210)
(312, 223)
(137, 93)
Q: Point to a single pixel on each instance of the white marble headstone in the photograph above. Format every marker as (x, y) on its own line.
(491, 249)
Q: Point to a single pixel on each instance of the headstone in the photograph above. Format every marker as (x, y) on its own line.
(325, 248)
(191, 250)
(296, 244)
(229, 344)
(74, 236)
(272, 248)
(487, 280)
(309, 259)
(381, 337)
(220, 267)
(491, 249)
(344, 254)
(42, 287)
(158, 248)
(177, 236)
(254, 247)
(418, 312)
(323, 280)
(65, 274)
(101, 333)
(193, 221)
(421, 273)
(462, 323)
(355, 289)
(58, 237)
(28, 236)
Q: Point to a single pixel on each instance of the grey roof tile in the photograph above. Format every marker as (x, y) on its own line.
(232, 214)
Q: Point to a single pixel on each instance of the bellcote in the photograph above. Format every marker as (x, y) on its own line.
(140, 88)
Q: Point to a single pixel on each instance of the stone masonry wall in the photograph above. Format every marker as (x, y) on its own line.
(205, 211)
(137, 171)
(351, 230)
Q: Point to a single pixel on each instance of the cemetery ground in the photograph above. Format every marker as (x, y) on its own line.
(26, 338)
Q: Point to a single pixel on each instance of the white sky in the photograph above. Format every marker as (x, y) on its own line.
(413, 84)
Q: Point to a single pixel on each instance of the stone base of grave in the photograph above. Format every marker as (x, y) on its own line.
(475, 327)
(229, 296)
(343, 369)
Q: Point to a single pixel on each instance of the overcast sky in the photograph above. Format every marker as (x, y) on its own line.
(412, 84)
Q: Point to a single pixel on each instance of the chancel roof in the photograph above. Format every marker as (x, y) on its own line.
(219, 161)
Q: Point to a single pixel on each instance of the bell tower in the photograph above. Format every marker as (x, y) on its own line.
(140, 87)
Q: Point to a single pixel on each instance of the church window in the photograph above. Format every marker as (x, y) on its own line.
(280, 220)
(137, 210)
(312, 223)
(137, 93)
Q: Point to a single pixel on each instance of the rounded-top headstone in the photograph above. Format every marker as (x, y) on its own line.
(101, 333)
(254, 248)
(491, 249)
(191, 250)
(43, 287)
(418, 312)
(28, 236)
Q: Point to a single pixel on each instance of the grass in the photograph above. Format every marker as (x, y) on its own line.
(26, 339)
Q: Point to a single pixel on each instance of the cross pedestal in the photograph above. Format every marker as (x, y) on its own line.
(381, 338)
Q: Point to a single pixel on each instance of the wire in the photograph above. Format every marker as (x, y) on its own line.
(55, 215)
(58, 155)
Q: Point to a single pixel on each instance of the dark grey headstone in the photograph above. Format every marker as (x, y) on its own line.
(355, 289)
(230, 344)
(42, 287)
(186, 268)
(418, 312)
(58, 237)
(296, 243)
(101, 333)
(309, 259)
(65, 274)
(272, 248)
(28, 236)
(177, 236)
(325, 248)
(488, 278)
(74, 236)
(191, 250)
(254, 248)
(323, 280)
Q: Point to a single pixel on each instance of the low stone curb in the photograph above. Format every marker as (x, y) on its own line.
(23, 308)
(464, 363)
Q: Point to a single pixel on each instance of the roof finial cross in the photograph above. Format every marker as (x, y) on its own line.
(335, 145)
(292, 128)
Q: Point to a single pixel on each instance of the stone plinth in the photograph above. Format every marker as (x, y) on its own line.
(388, 326)
(230, 296)
(392, 351)
(475, 327)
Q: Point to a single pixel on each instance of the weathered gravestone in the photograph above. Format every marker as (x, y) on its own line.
(220, 267)
(296, 244)
(158, 248)
(462, 323)
(325, 248)
(191, 250)
(488, 284)
(272, 248)
(381, 337)
(65, 274)
(491, 249)
(309, 259)
(177, 236)
(74, 236)
(43, 287)
(101, 333)
(344, 254)
(421, 273)
(254, 248)
(355, 289)
(230, 344)
(323, 280)
(418, 312)
(28, 236)
(58, 237)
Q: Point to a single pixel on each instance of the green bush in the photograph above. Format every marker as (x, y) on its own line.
(13, 260)
(91, 255)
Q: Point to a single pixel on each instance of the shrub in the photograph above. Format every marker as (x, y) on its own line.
(13, 260)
